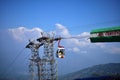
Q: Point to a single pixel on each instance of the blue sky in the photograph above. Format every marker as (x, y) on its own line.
(45, 13)
(21, 20)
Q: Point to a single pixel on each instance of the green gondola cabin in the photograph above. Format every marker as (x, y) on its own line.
(111, 34)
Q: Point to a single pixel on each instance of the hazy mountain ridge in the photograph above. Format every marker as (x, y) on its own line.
(94, 71)
(109, 69)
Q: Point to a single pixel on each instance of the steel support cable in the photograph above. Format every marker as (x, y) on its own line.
(20, 62)
(26, 57)
(76, 37)
(7, 70)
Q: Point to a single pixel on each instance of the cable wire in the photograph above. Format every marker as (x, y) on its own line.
(7, 70)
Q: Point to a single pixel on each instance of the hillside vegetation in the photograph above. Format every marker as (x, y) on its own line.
(110, 69)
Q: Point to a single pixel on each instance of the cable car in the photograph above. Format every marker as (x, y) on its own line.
(60, 51)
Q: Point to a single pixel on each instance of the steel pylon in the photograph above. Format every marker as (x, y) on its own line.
(44, 67)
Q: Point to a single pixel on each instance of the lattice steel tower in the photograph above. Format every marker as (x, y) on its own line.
(45, 67)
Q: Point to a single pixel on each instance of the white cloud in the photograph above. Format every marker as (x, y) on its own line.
(115, 50)
(84, 35)
(76, 49)
(84, 52)
(74, 44)
(22, 33)
(112, 48)
(83, 42)
(62, 30)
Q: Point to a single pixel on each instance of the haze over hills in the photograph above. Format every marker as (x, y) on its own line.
(109, 69)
